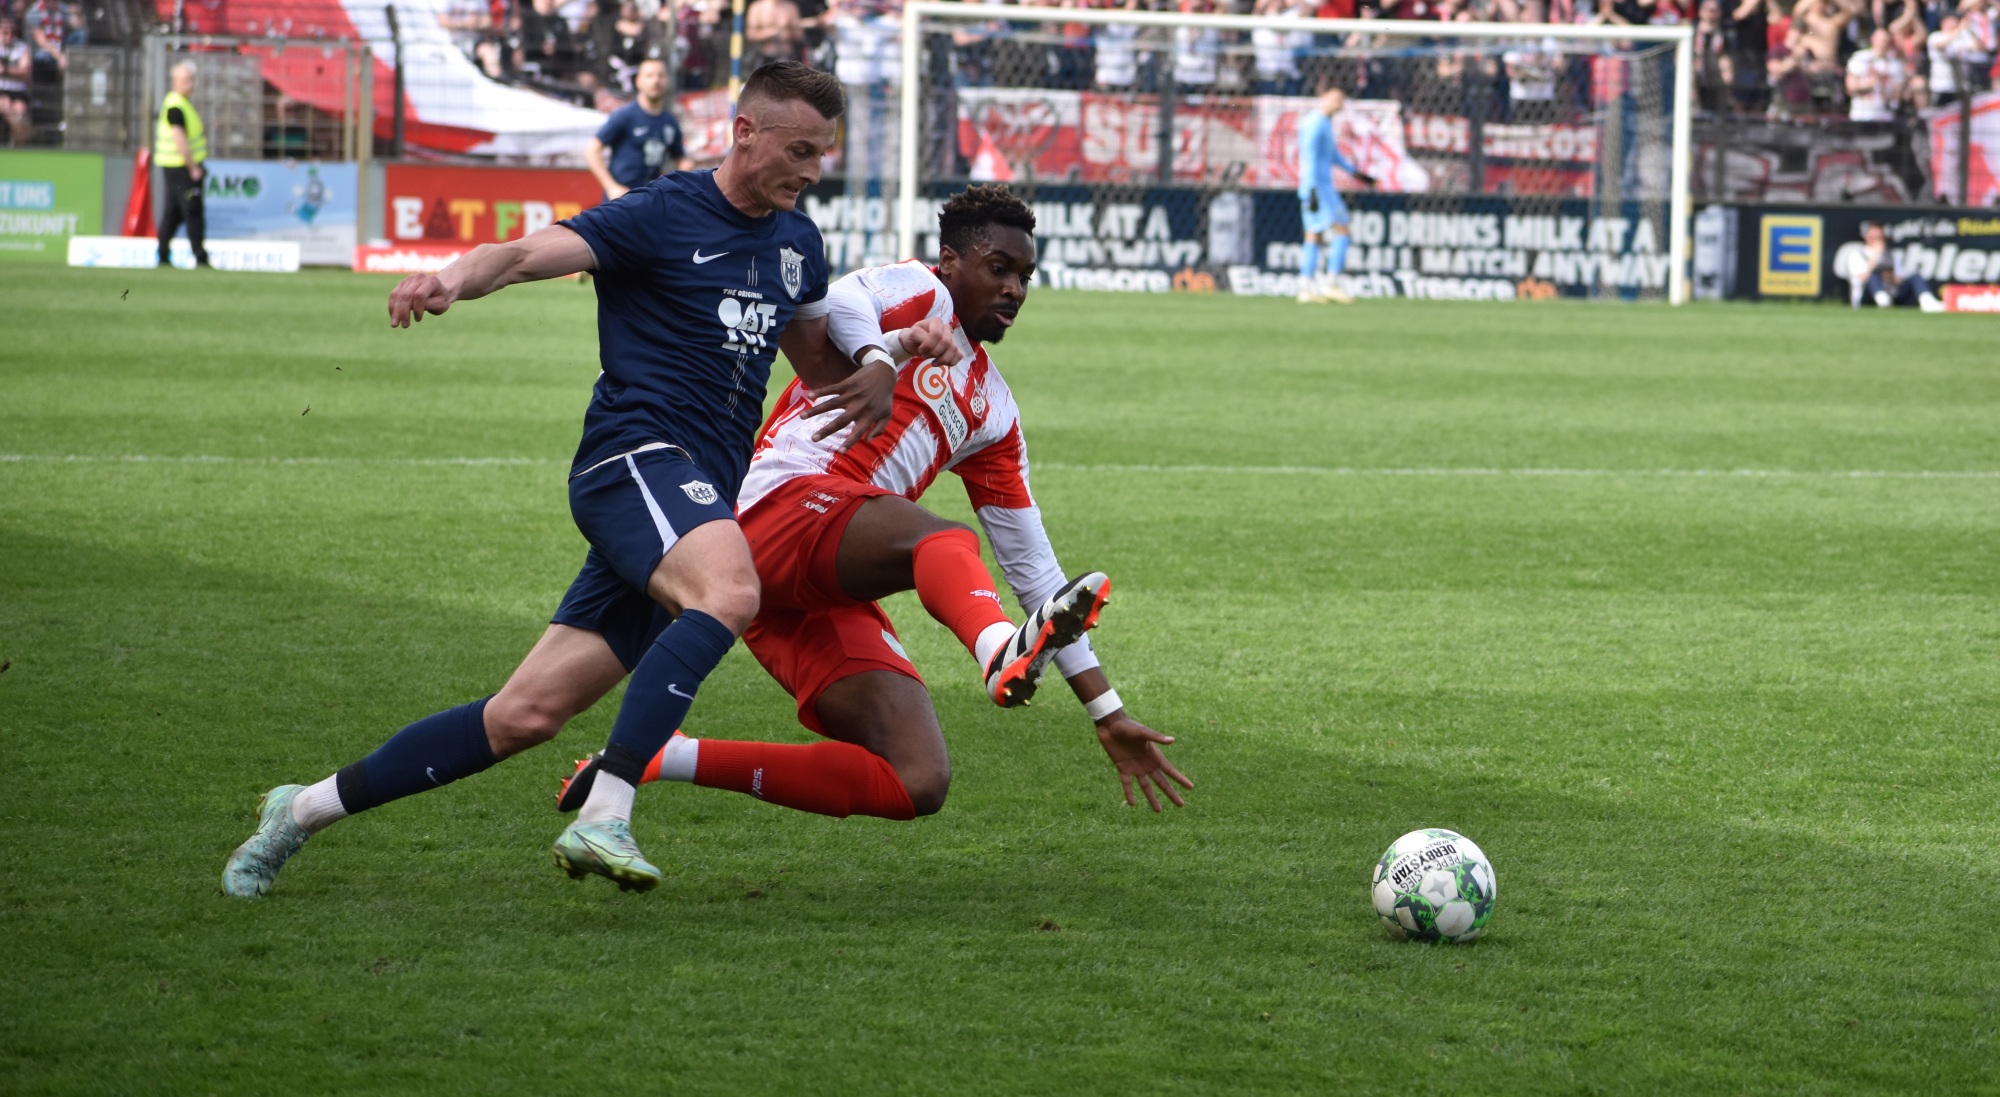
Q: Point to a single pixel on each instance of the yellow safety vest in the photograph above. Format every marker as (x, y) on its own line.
(165, 152)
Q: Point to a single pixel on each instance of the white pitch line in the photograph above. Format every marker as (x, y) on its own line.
(1060, 466)
(1319, 470)
(197, 459)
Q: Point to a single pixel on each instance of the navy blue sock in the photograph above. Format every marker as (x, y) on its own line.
(661, 689)
(431, 753)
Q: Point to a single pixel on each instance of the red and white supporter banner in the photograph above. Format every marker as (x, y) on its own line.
(452, 105)
(1983, 173)
(1972, 298)
(1086, 137)
(405, 259)
(467, 206)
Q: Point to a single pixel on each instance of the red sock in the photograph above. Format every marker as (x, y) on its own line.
(826, 778)
(955, 586)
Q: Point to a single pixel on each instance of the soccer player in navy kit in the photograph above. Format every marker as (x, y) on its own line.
(702, 276)
(640, 136)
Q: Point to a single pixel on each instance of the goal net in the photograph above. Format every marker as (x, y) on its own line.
(1160, 150)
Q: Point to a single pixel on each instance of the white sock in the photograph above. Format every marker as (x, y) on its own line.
(991, 639)
(318, 806)
(610, 798)
(677, 761)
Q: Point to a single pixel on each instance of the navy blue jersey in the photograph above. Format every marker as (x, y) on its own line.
(643, 146)
(691, 298)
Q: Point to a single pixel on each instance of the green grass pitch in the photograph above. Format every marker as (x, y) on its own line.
(1688, 617)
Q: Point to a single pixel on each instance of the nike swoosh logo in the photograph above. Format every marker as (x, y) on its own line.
(676, 691)
(699, 258)
(432, 774)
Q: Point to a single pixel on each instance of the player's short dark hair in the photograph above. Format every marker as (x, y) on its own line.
(968, 214)
(783, 80)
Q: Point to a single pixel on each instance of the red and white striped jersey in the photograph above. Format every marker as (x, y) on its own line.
(961, 419)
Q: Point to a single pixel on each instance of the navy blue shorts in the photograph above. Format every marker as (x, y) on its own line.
(632, 509)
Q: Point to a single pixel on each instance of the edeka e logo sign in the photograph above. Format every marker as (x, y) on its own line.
(1788, 253)
(45, 199)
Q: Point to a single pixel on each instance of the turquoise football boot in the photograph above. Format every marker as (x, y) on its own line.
(254, 866)
(608, 850)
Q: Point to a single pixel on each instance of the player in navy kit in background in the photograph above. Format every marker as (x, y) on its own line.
(702, 277)
(642, 138)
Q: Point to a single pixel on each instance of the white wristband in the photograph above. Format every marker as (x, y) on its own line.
(1104, 704)
(876, 354)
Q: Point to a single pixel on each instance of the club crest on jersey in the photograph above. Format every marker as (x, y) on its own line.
(702, 494)
(793, 269)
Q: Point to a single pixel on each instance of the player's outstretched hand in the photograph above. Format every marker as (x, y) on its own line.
(931, 338)
(865, 399)
(416, 295)
(1135, 749)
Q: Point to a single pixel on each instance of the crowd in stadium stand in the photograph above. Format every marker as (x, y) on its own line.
(35, 39)
(1869, 60)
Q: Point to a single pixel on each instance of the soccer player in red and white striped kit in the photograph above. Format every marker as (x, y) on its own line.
(832, 531)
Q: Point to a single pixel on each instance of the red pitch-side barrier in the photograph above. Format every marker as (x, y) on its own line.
(138, 219)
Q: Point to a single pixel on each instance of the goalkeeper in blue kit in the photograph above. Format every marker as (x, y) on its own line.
(1320, 206)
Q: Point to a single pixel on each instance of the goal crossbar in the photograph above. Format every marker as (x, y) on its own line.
(1681, 37)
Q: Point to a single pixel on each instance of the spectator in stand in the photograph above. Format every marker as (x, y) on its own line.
(1789, 68)
(1714, 55)
(1947, 57)
(1821, 25)
(1875, 80)
(815, 19)
(1532, 75)
(547, 47)
(1750, 33)
(1874, 274)
(1277, 51)
(1197, 51)
(17, 63)
(628, 42)
(468, 22)
(773, 30)
(1118, 58)
(1982, 30)
(870, 44)
(641, 138)
(53, 26)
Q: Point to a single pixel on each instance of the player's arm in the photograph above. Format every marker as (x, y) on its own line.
(846, 360)
(593, 154)
(1341, 161)
(549, 253)
(1013, 523)
(1133, 747)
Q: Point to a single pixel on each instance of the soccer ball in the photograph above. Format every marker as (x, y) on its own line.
(1434, 885)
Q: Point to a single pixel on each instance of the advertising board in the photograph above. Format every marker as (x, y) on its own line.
(1811, 251)
(45, 199)
(140, 252)
(310, 204)
(454, 205)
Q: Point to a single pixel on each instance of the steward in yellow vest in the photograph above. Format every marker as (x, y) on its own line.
(181, 148)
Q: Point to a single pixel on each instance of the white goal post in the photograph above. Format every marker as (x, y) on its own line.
(1654, 78)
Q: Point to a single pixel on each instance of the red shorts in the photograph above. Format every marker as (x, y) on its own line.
(808, 634)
